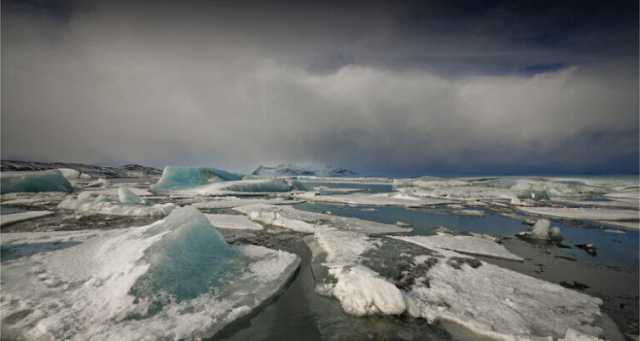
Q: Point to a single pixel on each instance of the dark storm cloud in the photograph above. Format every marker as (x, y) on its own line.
(398, 88)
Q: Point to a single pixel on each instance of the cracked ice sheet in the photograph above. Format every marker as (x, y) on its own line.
(232, 221)
(310, 222)
(583, 213)
(379, 199)
(465, 244)
(484, 301)
(22, 216)
(80, 289)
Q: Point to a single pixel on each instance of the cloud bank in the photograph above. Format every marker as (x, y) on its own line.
(231, 88)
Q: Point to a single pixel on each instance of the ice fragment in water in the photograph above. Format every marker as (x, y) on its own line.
(42, 181)
(175, 178)
(126, 196)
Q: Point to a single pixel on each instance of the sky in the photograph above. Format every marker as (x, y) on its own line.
(400, 88)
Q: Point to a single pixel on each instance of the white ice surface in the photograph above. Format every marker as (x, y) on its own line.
(232, 221)
(78, 286)
(127, 196)
(584, 213)
(465, 244)
(379, 199)
(70, 174)
(309, 222)
(86, 202)
(22, 216)
(486, 302)
(230, 202)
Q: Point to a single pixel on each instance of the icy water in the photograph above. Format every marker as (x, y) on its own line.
(616, 249)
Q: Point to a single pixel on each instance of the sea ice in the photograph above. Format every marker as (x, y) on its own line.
(470, 298)
(379, 199)
(88, 202)
(126, 196)
(309, 222)
(39, 181)
(7, 219)
(584, 213)
(464, 244)
(230, 202)
(173, 279)
(176, 178)
(232, 221)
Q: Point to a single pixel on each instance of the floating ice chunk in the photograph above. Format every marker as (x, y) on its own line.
(174, 279)
(101, 182)
(41, 181)
(584, 213)
(88, 202)
(254, 186)
(232, 221)
(176, 178)
(22, 216)
(309, 222)
(126, 196)
(362, 291)
(541, 229)
(465, 244)
(468, 212)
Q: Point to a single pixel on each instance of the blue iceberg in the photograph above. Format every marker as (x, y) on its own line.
(42, 181)
(176, 178)
(190, 260)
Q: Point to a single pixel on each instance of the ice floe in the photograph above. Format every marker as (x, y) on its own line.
(230, 202)
(7, 219)
(584, 213)
(39, 181)
(379, 199)
(465, 244)
(232, 221)
(90, 203)
(471, 299)
(310, 222)
(174, 279)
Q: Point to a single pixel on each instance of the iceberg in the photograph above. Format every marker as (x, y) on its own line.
(174, 279)
(39, 181)
(126, 196)
(176, 178)
(380, 199)
(243, 187)
(69, 173)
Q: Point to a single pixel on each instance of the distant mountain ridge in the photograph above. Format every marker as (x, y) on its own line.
(289, 169)
(128, 170)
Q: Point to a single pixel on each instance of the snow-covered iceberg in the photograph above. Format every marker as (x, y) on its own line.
(40, 181)
(470, 298)
(173, 279)
(176, 178)
(244, 187)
